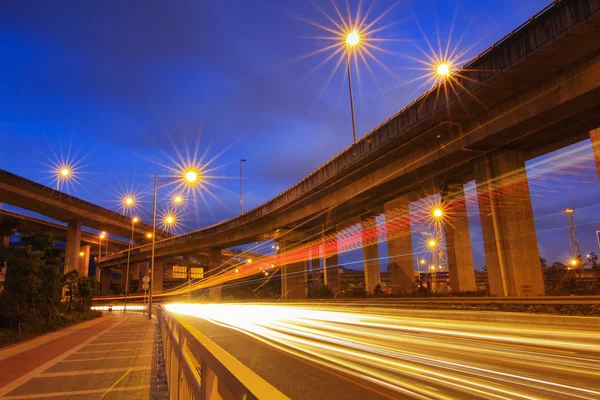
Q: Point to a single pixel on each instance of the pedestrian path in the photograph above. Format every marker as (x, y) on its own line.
(113, 357)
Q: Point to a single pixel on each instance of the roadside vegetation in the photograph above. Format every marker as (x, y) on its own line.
(36, 297)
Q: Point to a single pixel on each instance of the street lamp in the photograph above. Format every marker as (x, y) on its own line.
(242, 160)
(437, 212)
(188, 177)
(178, 199)
(102, 236)
(134, 220)
(443, 70)
(352, 40)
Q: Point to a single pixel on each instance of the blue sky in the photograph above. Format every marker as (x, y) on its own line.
(127, 84)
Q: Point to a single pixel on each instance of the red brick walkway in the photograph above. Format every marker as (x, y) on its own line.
(20, 364)
(114, 358)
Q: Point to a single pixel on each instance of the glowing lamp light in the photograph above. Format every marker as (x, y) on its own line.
(432, 243)
(81, 254)
(437, 212)
(573, 262)
(352, 38)
(443, 70)
(148, 235)
(249, 261)
(191, 176)
(178, 199)
(135, 220)
(65, 172)
(422, 261)
(236, 271)
(169, 220)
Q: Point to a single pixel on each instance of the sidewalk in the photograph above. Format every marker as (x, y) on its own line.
(113, 357)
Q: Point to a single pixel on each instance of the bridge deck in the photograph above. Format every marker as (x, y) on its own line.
(110, 358)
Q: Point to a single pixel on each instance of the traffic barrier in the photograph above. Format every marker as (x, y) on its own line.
(197, 368)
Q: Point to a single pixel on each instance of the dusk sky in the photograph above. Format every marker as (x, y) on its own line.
(126, 85)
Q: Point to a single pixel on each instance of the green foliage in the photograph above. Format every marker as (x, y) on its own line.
(31, 300)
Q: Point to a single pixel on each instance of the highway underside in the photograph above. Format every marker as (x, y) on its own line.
(348, 352)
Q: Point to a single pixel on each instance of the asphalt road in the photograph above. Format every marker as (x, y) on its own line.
(334, 352)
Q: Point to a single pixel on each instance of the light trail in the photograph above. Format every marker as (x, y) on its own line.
(425, 358)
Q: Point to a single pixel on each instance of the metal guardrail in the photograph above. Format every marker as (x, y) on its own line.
(197, 368)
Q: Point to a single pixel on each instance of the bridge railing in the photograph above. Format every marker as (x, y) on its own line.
(197, 368)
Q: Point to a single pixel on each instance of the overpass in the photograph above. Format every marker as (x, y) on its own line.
(32, 196)
(533, 92)
(91, 244)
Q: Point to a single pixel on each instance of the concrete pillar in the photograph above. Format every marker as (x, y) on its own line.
(399, 243)
(510, 242)
(124, 279)
(105, 281)
(315, 267)
(3, 267)
(293, 276)
(371, 254)
(595, 136)
(158, 275)
(214, 258)
(331, 271)
(73, 243)
(458, 239)
(143, 270)
(84, 260)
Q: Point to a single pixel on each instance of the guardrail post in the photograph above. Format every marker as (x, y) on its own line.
(209, 386)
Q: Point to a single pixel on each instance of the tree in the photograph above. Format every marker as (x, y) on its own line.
(70, 280)
(87, 288)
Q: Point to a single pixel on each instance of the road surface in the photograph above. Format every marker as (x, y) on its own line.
(333, 352)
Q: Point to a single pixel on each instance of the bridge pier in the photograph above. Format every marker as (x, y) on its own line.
(158, 275)
(142, 271)
(105, 281)
(595, 136)
(293, 275)
(315, 268)
(458, 240)
(370, 254)
(399, 243)
(84, 260)
(331, 268)
(72, 246)
(510, 242)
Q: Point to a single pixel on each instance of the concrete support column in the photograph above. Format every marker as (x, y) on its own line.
(293, 275)
(331, 271)
(595, 136)
(510, 242)
(215, 258)
(105, 281)
(458, 239)
(315, 267)
(84, 260)
(371, 254)
(124, 280)
(72, 248)
(134, 270)
(144, 270)
(158, 275)
(399, 242)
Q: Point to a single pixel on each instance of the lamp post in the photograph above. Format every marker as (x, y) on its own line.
(242, 160)
(133, 222)
(189, 177)
(352, 40)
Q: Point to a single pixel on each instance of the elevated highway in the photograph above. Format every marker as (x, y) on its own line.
(534, 91)
(24, 193)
